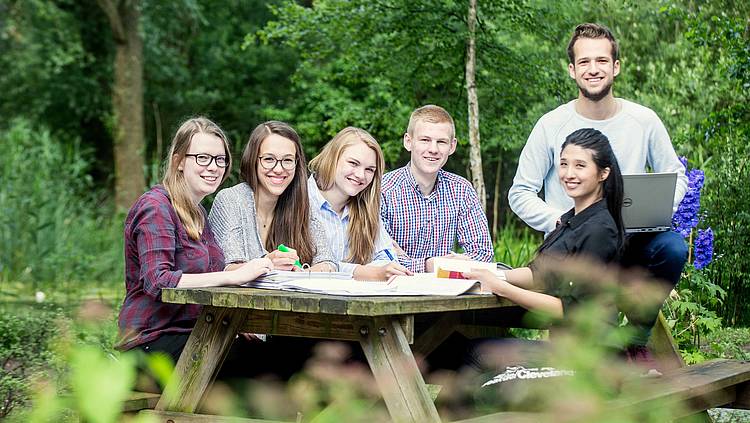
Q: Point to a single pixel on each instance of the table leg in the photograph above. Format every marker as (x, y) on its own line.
(392, 363)
(201, 359)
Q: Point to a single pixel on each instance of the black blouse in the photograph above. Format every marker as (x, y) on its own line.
(591, 234)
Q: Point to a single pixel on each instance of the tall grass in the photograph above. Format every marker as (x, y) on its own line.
(55, 230)
(515, 246)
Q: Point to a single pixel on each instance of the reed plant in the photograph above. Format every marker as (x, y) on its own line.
(516, 245)
(56, 229)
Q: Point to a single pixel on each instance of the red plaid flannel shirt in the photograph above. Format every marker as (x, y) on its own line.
(158, 251)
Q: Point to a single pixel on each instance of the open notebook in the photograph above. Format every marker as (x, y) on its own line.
(334, 284)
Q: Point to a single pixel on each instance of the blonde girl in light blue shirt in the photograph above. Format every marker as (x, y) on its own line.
(344, 192)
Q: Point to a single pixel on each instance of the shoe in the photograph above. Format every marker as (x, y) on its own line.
(640, 356)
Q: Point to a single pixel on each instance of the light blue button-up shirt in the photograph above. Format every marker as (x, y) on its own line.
(336, 225)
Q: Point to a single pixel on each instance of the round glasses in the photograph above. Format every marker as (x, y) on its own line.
(269, 162)
(206, 159)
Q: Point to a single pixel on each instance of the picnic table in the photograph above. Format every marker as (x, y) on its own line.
(384, 327)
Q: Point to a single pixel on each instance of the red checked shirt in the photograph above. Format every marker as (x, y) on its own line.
(158, 251)
(432, 226)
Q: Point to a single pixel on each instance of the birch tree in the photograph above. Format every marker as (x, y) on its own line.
(475, 153)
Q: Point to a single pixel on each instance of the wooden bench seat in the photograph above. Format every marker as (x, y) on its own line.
(176, 417)
(140, 401)
(684, 392)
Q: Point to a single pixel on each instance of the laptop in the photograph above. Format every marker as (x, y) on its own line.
(648, 200)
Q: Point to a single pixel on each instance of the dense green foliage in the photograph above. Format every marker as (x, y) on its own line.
(55, 227)
(365, 63)
(25, 352)
(723, 137)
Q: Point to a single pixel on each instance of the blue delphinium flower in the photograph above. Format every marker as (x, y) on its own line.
(704, 248)
(686, 217)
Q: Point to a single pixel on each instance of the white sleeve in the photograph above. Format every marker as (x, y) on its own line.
(533, 164)
(663, 158)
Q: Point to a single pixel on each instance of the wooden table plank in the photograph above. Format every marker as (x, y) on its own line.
(313, 325)
(265, 299)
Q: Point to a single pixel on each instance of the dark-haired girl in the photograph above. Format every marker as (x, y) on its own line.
(271, 207)
(592, 229)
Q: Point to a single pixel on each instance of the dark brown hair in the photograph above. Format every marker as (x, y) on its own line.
(290, 224)
(592, 30)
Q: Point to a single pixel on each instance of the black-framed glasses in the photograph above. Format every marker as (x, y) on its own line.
(206, 159)
(269, 162)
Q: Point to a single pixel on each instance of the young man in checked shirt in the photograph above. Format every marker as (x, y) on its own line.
(427, 210)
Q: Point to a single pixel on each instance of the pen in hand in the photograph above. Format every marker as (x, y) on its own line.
(284, 249)
(390, 256)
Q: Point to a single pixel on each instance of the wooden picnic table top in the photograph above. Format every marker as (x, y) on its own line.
(302, 302)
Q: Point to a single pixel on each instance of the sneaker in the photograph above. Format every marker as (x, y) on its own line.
(640, 356)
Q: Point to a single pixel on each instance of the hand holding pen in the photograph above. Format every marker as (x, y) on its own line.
(285, 258)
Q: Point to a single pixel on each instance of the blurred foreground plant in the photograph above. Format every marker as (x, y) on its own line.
(588, 343)
(63, 371)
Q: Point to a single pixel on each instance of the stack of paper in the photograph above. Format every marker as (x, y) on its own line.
(420, 284)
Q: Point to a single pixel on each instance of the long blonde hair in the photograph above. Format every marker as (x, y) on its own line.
(190, 214)
(290, 224)
(364, 208)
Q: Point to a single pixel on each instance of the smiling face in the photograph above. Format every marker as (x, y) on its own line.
(355, 170)
(273, 182)
(430, 145)
(203, 180)
(593, 68)
(580, 176)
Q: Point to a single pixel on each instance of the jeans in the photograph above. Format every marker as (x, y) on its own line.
(663, 255)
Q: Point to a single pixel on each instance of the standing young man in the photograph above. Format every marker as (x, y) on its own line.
(427, 210)
(638, 138)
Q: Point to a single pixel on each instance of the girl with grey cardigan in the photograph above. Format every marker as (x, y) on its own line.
(271, 207)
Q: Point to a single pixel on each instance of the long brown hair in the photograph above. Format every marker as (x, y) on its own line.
(364, 208)
(190, 214)
(290, 224)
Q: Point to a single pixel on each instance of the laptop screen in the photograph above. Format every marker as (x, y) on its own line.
(648, 200)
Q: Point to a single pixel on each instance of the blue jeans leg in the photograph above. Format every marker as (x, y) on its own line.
(663, 255)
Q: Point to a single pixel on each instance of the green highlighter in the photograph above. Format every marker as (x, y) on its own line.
(284, 249)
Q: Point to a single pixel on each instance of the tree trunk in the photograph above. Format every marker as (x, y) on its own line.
(496, 201)
(475, 152)
(127, 100)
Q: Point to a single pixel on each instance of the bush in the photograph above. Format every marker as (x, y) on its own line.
(25, 351)
(54, 227)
